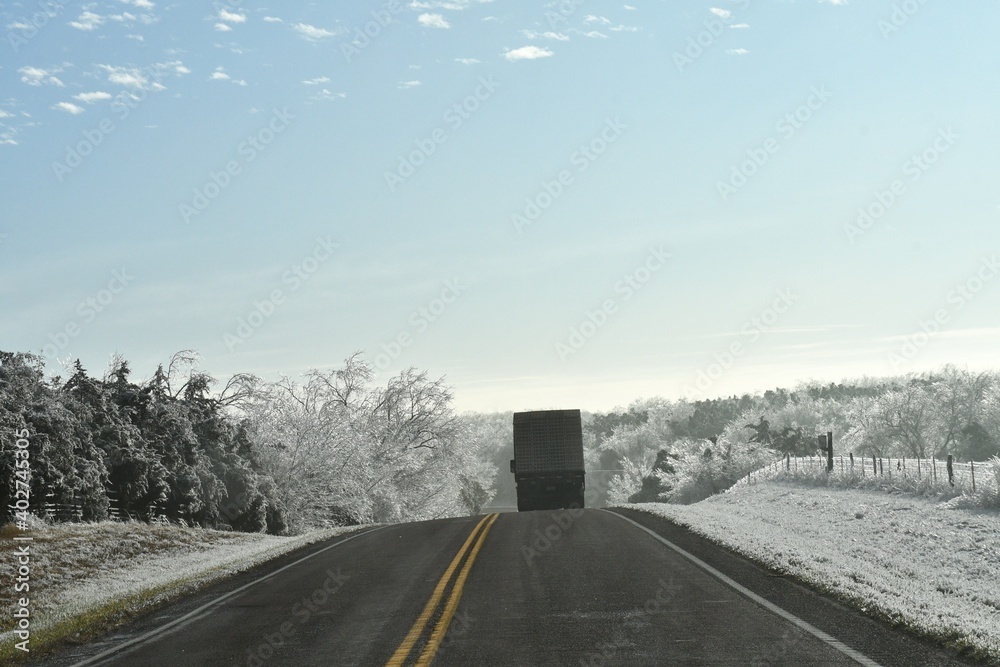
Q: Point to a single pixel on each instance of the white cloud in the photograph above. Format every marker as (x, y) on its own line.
(36, 76)
(318, 80)
(624, 28)
(721, 13)
(406, 85)
(68, 107)
(594, 34)
(737, 52)
(222, 27)
(87, 21)
(231, 17)
(740, 26)
(558, 36)
(453, 5)
(311, 32)
(629, 7)
(90, 98)
(240, 82)
(141, 4)
(272, 19)
(5, 114)
(527, 53)
(590, 18)
(219, 74)
(327, 95)
(138, 38)
(836, 2)
(125, 76)
(433, 21)
(179, 67)
(467, 61)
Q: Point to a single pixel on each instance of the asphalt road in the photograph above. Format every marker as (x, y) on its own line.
(584, 587)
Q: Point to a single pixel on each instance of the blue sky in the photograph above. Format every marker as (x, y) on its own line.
(566, 205)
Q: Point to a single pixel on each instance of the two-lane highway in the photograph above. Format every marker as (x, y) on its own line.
(582, 587)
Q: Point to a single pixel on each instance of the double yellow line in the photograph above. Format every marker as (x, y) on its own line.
(451, 604)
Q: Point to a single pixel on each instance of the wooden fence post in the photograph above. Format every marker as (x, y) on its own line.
(874, 467)
(918, 467)
(934, 468)
(951, 471)
(881, 469)
(972, 467)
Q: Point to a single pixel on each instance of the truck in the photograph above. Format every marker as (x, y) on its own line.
(548, 460)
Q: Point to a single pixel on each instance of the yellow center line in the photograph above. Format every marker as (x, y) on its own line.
(404, 649)
(456, 594)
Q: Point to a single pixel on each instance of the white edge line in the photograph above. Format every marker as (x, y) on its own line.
(767, 604)
(190, 616)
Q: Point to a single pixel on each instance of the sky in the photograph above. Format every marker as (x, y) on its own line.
(566, 205)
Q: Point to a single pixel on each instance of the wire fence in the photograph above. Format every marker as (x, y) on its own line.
(944, 476)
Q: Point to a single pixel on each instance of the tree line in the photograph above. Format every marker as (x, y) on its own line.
(254, 456)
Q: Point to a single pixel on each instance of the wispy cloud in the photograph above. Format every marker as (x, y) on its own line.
(311, 32)
(737, 52)
(222, 27)
(36, 76)
(68, 107)
(326, 94)
(453, 5)
(598, 20)
(219, 74)
(90, 98)
(558, 36)
(318, 80)
(721, 13)
(87, 21)
(527, 53)
(433, 21)
(467, 61)
(406, 85)
(272, 19)
(141, 4)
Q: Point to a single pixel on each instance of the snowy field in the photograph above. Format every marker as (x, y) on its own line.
(85, 577)
(928, 564)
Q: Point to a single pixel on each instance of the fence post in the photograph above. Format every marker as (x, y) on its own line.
(934, 468)
(788, 461)
(951, 471)
(972, 467)
(918, 467)
(874, 467)
(881, 469)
